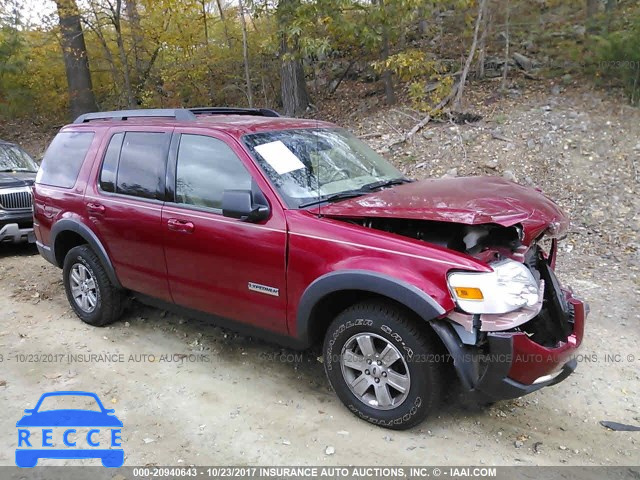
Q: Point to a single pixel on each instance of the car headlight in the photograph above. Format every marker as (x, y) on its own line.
(509, 287)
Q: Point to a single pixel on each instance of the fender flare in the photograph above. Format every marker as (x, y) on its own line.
(400, 291)
(66, 225)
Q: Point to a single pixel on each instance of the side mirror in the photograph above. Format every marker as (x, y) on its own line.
(239, 204)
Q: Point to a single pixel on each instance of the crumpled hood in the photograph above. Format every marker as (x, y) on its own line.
(466, 200)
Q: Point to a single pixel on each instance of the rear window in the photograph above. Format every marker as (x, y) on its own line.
(63, 159)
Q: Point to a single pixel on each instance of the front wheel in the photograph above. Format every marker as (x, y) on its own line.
(383, 367)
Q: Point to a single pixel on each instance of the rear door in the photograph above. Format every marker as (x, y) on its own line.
(216, 264)
(124, 203)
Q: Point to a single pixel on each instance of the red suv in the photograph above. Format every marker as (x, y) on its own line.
(297, 230)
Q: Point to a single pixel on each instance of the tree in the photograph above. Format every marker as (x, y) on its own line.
(295, 97)
(472, 52)
(592, 8)
(76, 61)
(116, 20)
(386, 74)
(245, 54)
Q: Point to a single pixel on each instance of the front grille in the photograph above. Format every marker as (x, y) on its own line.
(16, 199)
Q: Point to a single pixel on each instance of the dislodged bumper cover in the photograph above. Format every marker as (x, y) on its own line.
(519, 365)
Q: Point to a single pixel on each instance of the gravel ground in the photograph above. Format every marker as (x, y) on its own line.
(241, 401)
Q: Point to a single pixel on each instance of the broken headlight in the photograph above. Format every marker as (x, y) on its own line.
(509, 287)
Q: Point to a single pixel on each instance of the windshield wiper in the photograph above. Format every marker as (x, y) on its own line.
(333, 197)
(8, 170)
(384, 183)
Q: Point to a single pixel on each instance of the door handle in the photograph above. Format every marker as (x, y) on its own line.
(95, 208)
(182, 226)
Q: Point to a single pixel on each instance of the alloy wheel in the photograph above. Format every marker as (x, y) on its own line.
(375, 371)
(84, 288)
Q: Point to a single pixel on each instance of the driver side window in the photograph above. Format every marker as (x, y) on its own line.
(206, 168)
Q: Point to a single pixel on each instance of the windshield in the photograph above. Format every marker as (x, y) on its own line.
(14, 159)
(312, 164)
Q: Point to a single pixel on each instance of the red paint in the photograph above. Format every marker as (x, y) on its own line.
(532, 361)
(468, 200)
(204, 261)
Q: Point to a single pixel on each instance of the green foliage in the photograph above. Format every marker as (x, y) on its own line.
(12, 60)
(618, 59)
(186, 52)
(415, 68)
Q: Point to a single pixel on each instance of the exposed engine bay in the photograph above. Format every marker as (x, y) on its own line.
(469, 239)
(547, 323)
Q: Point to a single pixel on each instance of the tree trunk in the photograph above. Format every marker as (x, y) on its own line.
(295, 98)
(203, 5)
(387, 77)
(116, 17)
(76, 61)
(293, 86)
(472, 52)
(245, 54)
(137, 41)
(95, 28)
(224, 23)
(136, 35)
(507, 42)
(592, 8)
(482, 48)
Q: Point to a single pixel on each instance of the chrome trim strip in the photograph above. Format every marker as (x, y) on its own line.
(8, 191)
(379, 249)
(128, 204)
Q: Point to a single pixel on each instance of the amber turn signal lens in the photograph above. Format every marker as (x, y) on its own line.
(465, 293)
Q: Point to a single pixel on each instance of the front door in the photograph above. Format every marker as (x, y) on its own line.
(220, 265)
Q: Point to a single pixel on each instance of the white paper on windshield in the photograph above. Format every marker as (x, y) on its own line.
(279, 157)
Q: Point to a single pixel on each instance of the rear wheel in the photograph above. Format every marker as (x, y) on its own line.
(383, 367)
(90, 292)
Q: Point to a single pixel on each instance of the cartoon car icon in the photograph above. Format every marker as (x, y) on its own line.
(69, 419)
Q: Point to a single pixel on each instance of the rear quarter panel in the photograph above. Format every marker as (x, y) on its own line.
(51, 204)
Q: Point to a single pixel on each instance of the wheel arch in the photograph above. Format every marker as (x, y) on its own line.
(333, 292)
(68, 233)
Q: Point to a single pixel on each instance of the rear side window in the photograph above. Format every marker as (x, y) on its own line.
(110, 163)
(64, 157)
(135, 164)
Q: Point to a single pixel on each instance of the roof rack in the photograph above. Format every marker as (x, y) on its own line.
(177, 113)
(261, 112)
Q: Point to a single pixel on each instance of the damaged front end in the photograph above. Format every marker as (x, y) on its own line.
(511, 354)
(514, 330)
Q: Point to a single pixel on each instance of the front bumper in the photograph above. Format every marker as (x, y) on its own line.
(12, 232)
(516, 365)
(16, 226)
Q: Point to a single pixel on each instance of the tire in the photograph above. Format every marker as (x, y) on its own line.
(418, 365)
(89, 291)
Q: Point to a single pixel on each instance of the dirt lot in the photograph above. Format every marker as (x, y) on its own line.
(240, 401)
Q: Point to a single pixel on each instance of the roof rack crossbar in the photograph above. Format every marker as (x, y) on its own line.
(177, 113)
(262, 112)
